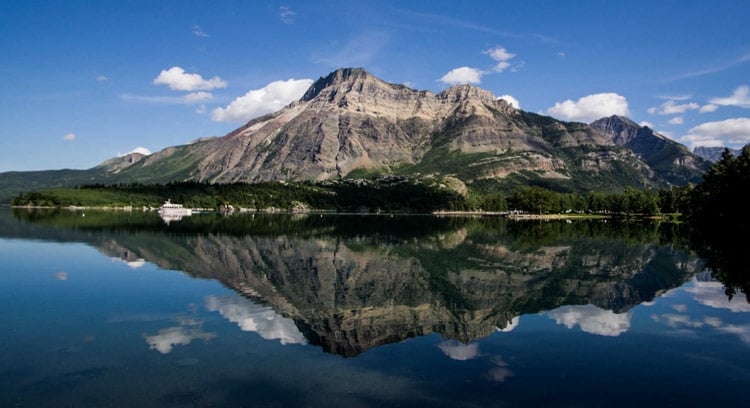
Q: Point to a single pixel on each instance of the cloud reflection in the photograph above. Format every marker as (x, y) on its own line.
(501, 372)
(255, 318)
(167, 338)
(510, 325)
(459, 351)
(591, 319)
(711, 293)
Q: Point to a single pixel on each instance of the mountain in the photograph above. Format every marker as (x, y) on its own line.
(713, 154)
(671, 161)
(350, 124)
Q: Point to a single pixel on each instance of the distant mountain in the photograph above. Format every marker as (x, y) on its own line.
(713, 154)
(671, 161)
(350, 124)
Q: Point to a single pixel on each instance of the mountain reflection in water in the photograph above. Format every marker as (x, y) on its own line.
(350, 283)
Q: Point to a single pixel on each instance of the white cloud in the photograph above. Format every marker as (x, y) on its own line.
(709, 108)
(463, 75)
(501, 66)
(286, 15)
(255, 318)
(198, 32)
(729, 132)
(69, 137)
(140, 150)
(591, 319)
(590, 108)
(511, 100)
(201, 109)
(677, 120)
(177, 79)
(256, 102)
(561, 54)
(740, 97)
(671, 108)
(646, 124)
(499, 54)
(195, 97)
(459, 351)
(502, 56)
(102, 78)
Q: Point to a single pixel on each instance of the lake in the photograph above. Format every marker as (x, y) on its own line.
(122, 309)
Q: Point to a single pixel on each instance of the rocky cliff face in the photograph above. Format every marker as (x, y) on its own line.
(713, 154)
(351, 121)
(668, 159)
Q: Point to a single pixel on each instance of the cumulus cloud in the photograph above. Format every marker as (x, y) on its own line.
(708, 108)
(195, 97)
(463, 75)
(286, 15)
(591, 319)
(102, 78)
(671, 107)
(502, 56)
(646, 124)
(677, 120)
(256, 102)
(511, 100)
(140, 150)
(69, 137)
(255, 318)
(177, 79)
(590, 108)
(740, 97)
(459, 351)
(729, 132)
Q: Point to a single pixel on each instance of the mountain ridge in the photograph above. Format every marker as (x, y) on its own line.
(351, 124)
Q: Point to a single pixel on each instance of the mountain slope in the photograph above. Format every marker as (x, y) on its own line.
(713, 154)
(670, 160)
(350, 124)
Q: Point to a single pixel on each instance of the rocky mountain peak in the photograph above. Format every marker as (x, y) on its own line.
(459, 93)
(343, 77)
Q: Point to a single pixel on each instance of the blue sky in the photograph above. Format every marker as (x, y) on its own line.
(85, 81)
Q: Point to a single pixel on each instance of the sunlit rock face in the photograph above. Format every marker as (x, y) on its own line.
(350, 120)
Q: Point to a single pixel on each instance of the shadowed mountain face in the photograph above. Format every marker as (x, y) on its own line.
(669, 160)
(353, 283)
(352, 124)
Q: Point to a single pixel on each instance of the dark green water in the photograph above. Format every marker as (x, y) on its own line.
(121, 309)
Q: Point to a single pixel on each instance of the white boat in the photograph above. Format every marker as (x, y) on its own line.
(170, 211)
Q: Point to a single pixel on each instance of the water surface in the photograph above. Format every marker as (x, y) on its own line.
(121, 309)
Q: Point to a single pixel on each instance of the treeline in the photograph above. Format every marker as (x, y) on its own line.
(388, 194)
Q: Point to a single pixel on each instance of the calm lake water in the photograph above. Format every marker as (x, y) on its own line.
(123, 310)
